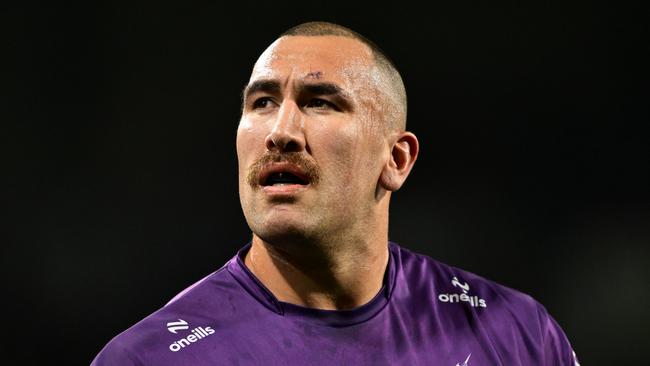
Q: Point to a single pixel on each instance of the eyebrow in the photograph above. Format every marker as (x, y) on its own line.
(265, 85)
(272, 86)
(323, 88)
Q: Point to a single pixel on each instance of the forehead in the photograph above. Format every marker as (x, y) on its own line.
(331, 58)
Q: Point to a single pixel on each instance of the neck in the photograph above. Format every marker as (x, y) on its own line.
(332, 274)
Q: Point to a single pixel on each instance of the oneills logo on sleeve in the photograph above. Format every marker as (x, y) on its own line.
(473, 300)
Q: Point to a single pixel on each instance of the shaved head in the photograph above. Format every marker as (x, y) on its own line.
(391, 85)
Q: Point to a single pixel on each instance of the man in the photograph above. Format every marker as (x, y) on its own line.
(321, 147)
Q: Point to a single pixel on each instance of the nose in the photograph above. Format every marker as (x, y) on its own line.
(287, 133)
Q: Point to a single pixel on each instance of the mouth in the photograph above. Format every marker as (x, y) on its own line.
(283, 178)
(282, 175)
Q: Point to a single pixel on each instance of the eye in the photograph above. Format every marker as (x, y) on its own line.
(263, 102)
(320, 104)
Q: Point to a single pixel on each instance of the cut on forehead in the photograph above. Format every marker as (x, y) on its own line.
(394, 86)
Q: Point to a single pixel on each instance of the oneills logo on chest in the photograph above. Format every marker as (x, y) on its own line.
(474, 301)
(198, 333)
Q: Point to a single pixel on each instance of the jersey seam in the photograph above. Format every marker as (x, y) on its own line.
(194, 286)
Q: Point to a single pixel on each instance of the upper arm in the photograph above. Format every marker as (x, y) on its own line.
(115, 354)
(557, 348)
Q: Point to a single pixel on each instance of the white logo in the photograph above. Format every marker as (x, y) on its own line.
(474, 301)
(198, 333)
(174, 326)
(466, 361)
(456, 283)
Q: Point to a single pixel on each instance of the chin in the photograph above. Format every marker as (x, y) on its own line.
(281, 231)
(284, 223)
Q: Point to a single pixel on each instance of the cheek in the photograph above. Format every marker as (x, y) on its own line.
(332, 139)
(340, 149)
(250, 139)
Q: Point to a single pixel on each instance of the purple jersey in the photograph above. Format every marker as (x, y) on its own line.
(427, 313)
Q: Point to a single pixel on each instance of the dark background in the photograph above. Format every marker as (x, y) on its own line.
(119, 178)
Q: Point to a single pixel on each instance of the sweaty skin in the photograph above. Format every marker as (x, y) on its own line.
(323, 245)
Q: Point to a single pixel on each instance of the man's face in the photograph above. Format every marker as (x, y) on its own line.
(311, 140)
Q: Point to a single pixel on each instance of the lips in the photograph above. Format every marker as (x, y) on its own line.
(278, 174)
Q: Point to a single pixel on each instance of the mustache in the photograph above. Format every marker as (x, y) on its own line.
(311, 170)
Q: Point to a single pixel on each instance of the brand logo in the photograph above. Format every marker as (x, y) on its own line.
(463, 286)
(198, 333)
(179, 325)
(466, 361)
(474, 301)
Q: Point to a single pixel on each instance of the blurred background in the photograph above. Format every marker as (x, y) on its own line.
(119, 173)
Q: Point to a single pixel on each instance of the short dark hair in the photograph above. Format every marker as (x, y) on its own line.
(385, 64)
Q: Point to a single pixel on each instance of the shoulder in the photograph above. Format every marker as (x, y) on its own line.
(500, 311)
(188, 314)
(420, 270)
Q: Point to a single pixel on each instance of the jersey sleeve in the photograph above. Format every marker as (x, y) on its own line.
(115, 354)
(557, 348)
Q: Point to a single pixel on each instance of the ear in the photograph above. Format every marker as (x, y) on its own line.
(404, 152)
